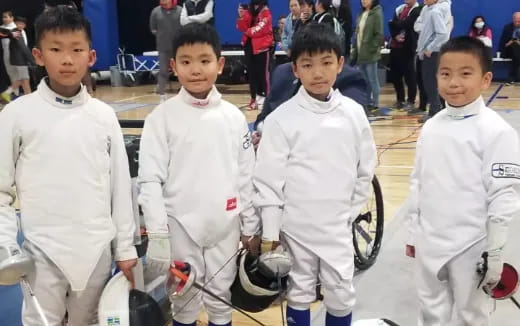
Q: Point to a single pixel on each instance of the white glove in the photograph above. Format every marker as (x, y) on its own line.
(491, 267)
(158, 255)
(14, 264)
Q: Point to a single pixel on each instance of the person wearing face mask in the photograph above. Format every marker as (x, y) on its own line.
(164, 23)
(479, 29)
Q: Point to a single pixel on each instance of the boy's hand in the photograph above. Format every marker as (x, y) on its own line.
(410, 251)
(508, 44)
(126, 267)
(17, 34)
(428, 54)
(251, 243)
(256, 139)
(490, 267)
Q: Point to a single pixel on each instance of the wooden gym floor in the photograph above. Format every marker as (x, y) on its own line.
(395, 136)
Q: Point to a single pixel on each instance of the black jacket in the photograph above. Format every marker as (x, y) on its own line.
(396, 26)
(19, 53)
(193, 9)
(507, 35)
(284, 85)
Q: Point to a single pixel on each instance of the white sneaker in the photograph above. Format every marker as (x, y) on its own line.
(163, 98)
(260, 102)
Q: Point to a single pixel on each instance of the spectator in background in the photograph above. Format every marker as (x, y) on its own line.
(367, 51)
(257, 25)
(479, 29)
(403, 46)
(433, 33)
(8, 30)
(510, 46)
(164, 22)
(290, 23)
(278, 30)
(306, 13)
(324, 13)
(344, 16)
(24, 54)
(197, 11)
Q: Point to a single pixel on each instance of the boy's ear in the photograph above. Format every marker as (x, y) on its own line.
(486, 80)
(341, 62)
(295, 70)
(92, 58)
(221, 62)
(37, 54)
(173, 65)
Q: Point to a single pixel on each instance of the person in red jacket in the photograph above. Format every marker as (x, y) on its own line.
(256, 22)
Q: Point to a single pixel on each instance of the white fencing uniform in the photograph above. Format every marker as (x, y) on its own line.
(67, 159)
(465, 182)
(195, 167)
(314, 167)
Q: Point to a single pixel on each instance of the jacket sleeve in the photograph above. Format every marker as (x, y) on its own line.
(263, 27)
(504, 38)
(244, 22)
(154, 156)
(10, 143)
(153, 22)
(200, 18)
(412, 215)
(378, 36)
(365, 167)
(287, 35)
(246, 163)
(501, 176)
(269, 178)
(121, 197)
(419, 23)
(441, 32)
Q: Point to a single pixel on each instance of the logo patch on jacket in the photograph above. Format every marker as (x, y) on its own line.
(231, 204)
(505, 170)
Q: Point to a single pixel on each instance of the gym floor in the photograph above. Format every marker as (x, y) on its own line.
(395, 134)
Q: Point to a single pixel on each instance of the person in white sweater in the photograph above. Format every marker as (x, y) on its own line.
(195, 176)
(64, 153)
(314, 167)
(464, 193)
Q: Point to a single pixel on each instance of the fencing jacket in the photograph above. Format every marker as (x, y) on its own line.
(465, 180)
(314, 166)
(67, 159)
(195, 165)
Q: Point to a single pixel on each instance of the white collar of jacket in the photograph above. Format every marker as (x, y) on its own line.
(400, 8)
(310, 103)
(466, 111)
(9, 26)
(59, 101)
(212, 100)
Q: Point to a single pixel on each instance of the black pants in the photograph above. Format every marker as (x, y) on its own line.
(402, 65)
(258, 72)
(515, 65)
(429, 78)
(423, 98)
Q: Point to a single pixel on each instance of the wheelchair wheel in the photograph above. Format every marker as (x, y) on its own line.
(367, 229)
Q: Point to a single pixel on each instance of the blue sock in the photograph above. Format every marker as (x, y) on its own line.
(338, 321)
(298, 317)
(176, 323)
(211, 324)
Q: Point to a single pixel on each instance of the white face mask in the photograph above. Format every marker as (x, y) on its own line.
(479, 25)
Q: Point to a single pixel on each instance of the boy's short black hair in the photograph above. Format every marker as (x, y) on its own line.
(197, 33)
(8, 13)
(20, 19)
(315, 38)
(61, 19)
(473, 46)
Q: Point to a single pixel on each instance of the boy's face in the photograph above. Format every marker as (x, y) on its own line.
(460, 78)
(318, 72)
(197, 68)
(295, 7)
(66, 56)
(20, 25)
(7, 19)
